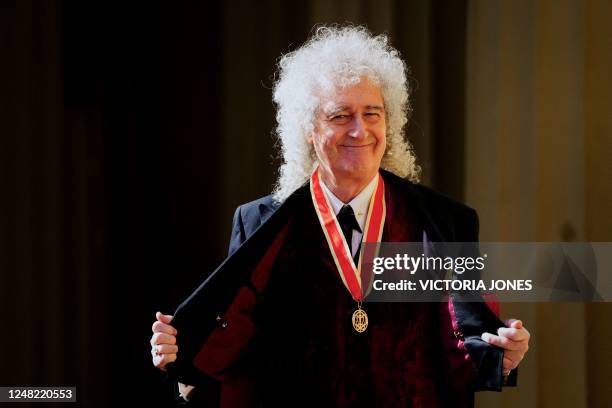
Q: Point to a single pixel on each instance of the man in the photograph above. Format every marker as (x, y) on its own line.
(289, 324)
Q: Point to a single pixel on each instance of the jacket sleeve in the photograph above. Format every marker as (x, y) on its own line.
(209, 395)
(474, 317)
(209, 392)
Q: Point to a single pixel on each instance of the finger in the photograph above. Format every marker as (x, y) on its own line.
(157, 362)
(514, 323)
(162, 360)
(163, 318)
(162, 338)
(502, 342)
(513, 334)
(159, 327)
(516, 356)
(164, 349)
(170, 358)
(513, 359)
(509, 364)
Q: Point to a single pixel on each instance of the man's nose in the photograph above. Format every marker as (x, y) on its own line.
(358, 128)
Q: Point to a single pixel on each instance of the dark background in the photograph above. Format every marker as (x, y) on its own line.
(129, 133)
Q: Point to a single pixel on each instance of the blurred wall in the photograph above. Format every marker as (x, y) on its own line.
(539, 142)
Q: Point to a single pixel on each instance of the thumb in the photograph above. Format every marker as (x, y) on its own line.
(163, 318)
(514, 323)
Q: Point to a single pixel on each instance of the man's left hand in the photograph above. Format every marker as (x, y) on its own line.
(514, 339)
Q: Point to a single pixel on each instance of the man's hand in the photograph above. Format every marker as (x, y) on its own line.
(514, 339)
(163, 341)
(164, 348)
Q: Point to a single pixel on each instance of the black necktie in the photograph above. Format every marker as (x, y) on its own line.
(348, 223)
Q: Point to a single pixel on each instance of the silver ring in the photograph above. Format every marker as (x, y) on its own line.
(155, 350)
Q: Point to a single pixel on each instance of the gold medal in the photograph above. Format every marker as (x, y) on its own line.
(360, 320)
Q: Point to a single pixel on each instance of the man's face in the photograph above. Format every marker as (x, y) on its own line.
(349, 136)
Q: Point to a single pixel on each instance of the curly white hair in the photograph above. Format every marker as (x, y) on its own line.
(336, 57)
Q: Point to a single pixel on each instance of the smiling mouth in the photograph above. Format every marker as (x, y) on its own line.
(357, 147)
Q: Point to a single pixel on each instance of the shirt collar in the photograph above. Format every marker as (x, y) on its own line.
(360, 203)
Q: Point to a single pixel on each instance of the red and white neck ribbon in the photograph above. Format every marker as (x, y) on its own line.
(349, 272)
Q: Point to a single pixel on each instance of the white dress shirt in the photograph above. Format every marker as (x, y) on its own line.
(360, 205)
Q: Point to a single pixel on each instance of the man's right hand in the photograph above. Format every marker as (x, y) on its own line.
(164, 348)
(163, 341)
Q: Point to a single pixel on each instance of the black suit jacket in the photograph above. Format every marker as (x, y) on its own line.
(207, 313)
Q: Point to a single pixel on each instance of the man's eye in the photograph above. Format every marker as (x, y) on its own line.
(340, 119)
